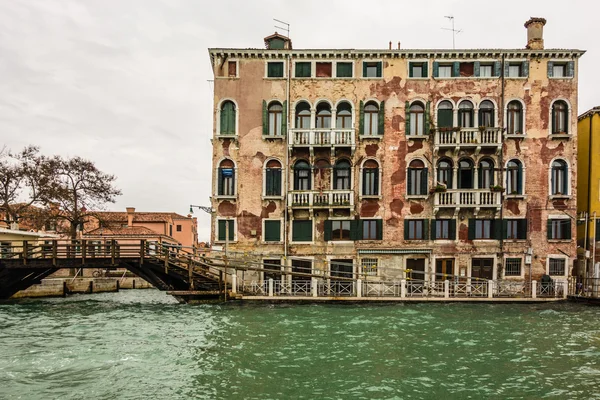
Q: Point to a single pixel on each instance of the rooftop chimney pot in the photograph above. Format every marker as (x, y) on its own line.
(535, 33)
(130, 212)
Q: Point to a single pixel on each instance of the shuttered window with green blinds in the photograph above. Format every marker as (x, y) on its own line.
(302, 231)
(343, 70)
(303, 70)
(275, 69)
(222, 227)
(443, 229)
(272, 230)
(227, 121)
(381, 118)
(372, 69)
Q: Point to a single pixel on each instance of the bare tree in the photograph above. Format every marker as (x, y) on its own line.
(78, 188)
(24, 182)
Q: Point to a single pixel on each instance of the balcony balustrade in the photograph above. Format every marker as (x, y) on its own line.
(321, 199)
(468, 138)
(467, 198)
(322, 138)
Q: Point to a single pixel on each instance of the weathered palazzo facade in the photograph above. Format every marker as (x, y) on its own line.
(394, 164)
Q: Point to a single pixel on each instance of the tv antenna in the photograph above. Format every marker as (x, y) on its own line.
(454, 31)
(286, 26)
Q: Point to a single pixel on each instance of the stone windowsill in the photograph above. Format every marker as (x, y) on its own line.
(515, 136)
(376, 137)
(272, 197)
(307, 243)
(346, 242)
(515, 240)
(227, 77)
(515, 196)
(560, 241)
(234, 137)
(222, 197)
(275, 243)
(560, 136)
(225, 241)
(417, 197)
(275, 77)
(560, 197)
(417, 137)
(273, 137)
(370, 197)
(561, 77)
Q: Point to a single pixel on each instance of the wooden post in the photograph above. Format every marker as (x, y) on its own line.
(25, 251)
(54, 252)
(92, 286)
(113, 251)
(83, 251)
(65, 290)
(190, 274)
(142, 250)
(166, 251)
(220, 281)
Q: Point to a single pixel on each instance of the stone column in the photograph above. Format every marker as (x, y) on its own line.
(270, 287)
(359, 288)
(533, 289)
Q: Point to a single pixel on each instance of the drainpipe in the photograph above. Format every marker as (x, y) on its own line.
(591, 273)
(589, 194)
(287, 162)
(501, 162)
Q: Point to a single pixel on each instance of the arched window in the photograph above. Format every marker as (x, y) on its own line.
(560, 120)
(371, 118)
(559, 181)
(341, 175)
(323, 116)
(486, 114)
(302, 175)
(275, 111)
(416, 178)
(445, 115)
(486, 173)
(444, 173)
(302, 115)
(514, 125)
(465, 114)
(226, 178)
(465, 174)
(227, 123)
(514, 177)
(417, 120)
(343, 117)
(370, 178)
(273, 178)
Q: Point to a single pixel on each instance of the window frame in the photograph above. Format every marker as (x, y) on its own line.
(304, 62)
(520, 175)
(556, 230)
(378, 232)
(377, 179)
(312, 232)
(372, 61)
(371, 119)
(284, 72)
(373, 264)
(567, 118)
(351, 70)
(264, 230)
(522, 118)
(265, 192)
(512, 274)
(482, 229)
(220, 180)
(564, 259)
(341, 223)
(412, 229)
(218, 116)
(552, 185)
(424, 63)
(417, 180)
(237, 69)
(233, 221)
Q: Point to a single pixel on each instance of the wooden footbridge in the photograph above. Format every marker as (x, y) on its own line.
(183, 274)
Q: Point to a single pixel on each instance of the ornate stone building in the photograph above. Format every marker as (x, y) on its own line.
(397, 163)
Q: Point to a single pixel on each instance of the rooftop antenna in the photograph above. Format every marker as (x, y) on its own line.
(454, 31)
(285, 28)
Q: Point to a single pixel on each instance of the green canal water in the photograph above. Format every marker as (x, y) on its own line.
(140, 344)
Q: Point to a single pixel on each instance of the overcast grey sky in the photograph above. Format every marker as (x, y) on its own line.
(124, 82)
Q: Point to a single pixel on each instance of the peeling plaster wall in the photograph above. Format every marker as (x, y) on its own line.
(394, 151)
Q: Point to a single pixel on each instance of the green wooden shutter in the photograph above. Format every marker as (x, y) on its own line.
(568, 228)
(272, 231)
(476, 68)
(277, 181)
(445, 118)
(376, 184)
(550, 69)
(549, 229)
(219, 181)
(410, 70)
(364, 69)
(233, 191)
(427, 117)
(361, 118)
(407, 118)
(497, 229)
(455, 69)
(284, 119)
(379, 227)
(436, 69)
(471, 229)
(424, 70)
(525, 68)
(221, 230)
(424, 181)
(497, 68)
(452, 229)
(409, 179)
(522, 226)
(265, 118)
(425, 229)
(571, 69)
(355, 233)
(432, 231)
(379, 72)
(506, 69)
(327, 230)
(231, 230)
(405, 229)
(223, 117)
(381, 118)
(520, 179)
(504, 229)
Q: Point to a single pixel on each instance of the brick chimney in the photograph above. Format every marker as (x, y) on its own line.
(130, 212)
(535, 33)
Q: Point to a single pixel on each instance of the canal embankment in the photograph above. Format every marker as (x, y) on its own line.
(62, 287)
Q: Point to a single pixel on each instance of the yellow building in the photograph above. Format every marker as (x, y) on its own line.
(588, 187)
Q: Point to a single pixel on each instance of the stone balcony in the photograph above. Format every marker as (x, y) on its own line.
(309, 199)
(467, 198)
(468, 138)
(322, 138)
